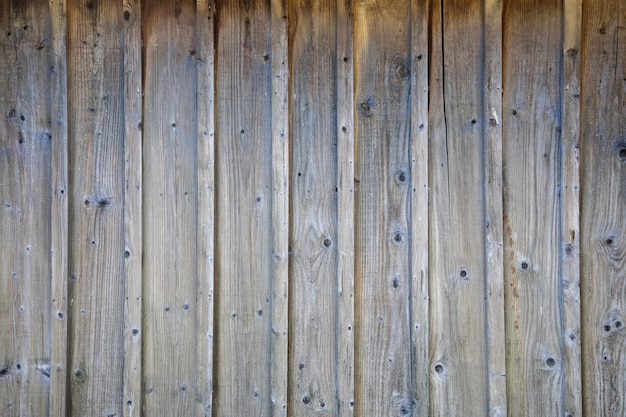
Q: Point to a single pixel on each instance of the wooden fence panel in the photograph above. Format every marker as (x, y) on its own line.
(603, 229)
(313, 219)
(96, 209)
(299, 207)
(457, 223)
(532, 206)
(244, 199)
(170, 201)
(382, 71)
(25, 219)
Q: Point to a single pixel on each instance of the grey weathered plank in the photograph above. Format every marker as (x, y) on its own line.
(279, 373)
(96, 209)
(459, 384)
(532, 209)
(570, 226)
(205, 10)
(244, 211)
(133, 298)
(344, 128)
(603, 230)
(382, 36)
(420, 353)
(59, 214)
(170, 202)
(492, 125)
(25, 214)
(313, 221)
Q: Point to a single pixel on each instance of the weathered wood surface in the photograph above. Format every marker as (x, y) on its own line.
(458, 328)
(298, 207)
(603, 229)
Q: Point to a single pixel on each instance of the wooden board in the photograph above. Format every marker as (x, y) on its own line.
(603, 230)
(244, 203)
(170, 202)
(96, 209)
(458, 352)
(382, 53)
(313, 219)
(532, 207)
(25, 213)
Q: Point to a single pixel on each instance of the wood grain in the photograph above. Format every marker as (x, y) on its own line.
(603, 230)
(244, 210)
(458, 349)
(170, 201)
(382, 54)
(532, 207)
(96, 209)
(313, 231)
(25, 214)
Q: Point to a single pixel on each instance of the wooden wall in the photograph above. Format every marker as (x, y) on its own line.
(312, 207)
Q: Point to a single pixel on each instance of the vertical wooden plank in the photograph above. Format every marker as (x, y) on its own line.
(459, 363)
(205, 10)
(603, 230)
(344, 131)
(280, 209)
(382, 217)
(133, 298)
(170, 201)
(313, 254)
(492, 116)
(60, 233)
(532, 158)
(25, 219)
(420, 354)
(570, 226)
(96, 208)
(244, 212)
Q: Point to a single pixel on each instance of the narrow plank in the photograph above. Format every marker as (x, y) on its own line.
(492, 115)
(313, 231)
(279, 377)
(420, 354)
(133, 299)
(25, 219)
(59, 252)
(382, 202)
(170, 208)
(603, 230)
(345, 206)
(458, 347)
(532, 211)
(96, 209)
(570, 226)
(205, 10)
(244, 211)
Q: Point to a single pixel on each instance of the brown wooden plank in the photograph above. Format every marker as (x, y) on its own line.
(492, 115)
(459, 363)
(244, 210)
(532, 240)
(344, 128)
(133, 298)
(25, 219)
(59, 216)
(570, 226)
(603, 230)
(313, 231)
(420, 355)
(96, 208)
(279, 378)
(170, 202)
(205, 10)
(382, 202)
